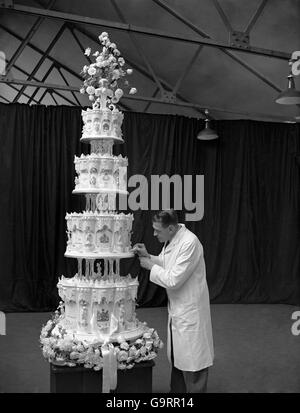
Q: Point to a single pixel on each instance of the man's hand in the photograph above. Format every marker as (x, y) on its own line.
(146, 263)
(140, 250)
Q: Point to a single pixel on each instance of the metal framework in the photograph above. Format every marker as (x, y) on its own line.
(42, 59)
(251, 23)
(26, 40)
(199, 107)
(74, 18)
(169, 94)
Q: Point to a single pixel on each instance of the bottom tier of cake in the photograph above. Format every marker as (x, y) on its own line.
(101, 309)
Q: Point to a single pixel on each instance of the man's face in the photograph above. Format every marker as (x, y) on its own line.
(163, 234)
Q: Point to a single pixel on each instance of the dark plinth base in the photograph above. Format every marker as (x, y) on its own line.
(83, 380)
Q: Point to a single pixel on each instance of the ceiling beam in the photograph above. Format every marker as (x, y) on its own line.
(154, 94)
(187, 69)
(26, 40)
(40, 51)
(42, 96)
(4, 98)
(256, 15)
(138, 49)
(68, 17)
(42, 59)
(72, 31)
(147, 99)
(24, 94)
(43, 80)
(227, 52)
(34, 78)
(223, 15)
(147, 63)
(67, 83)
(35, 83)
(51, 94)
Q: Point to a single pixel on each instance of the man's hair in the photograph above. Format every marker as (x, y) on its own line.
(166, 217)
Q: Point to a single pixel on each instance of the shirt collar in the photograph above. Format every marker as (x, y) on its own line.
(177, 236)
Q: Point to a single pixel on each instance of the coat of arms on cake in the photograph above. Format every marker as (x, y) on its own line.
(95, 324)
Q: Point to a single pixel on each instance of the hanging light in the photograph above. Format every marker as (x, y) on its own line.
(290, 96)
(207, 134)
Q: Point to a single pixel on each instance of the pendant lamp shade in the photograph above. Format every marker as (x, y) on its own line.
(207, 134)
(290, 96)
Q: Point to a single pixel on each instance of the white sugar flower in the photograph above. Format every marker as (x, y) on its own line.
(116, 74)
(103, 82)
(90, 90)
(124, 346)
(132, 91)
(119, 93)
(122, 356)
(103, 34)
(105, 74)
(143, 350)
(92, 71)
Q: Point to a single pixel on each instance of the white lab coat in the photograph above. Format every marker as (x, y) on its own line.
(180, 268)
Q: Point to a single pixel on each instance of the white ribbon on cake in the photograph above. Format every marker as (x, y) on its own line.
(109, 354)
(109, 375)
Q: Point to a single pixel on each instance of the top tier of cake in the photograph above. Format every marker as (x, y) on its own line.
(102, 123)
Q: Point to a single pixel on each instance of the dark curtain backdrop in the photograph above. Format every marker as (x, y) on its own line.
(251, 225)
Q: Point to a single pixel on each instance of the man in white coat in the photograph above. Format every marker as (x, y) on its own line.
(180, 269)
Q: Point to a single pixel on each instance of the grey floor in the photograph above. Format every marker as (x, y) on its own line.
(255, 350)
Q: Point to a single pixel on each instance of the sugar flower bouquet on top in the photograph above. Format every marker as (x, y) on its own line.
(104, 77)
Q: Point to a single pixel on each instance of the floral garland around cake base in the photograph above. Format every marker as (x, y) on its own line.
(61, 350)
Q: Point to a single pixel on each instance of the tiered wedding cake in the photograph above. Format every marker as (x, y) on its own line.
(97, 314)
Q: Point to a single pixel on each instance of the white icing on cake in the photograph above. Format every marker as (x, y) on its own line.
(99, 303)
(102, 123)
(100, 307)
(93, 232)
(98, 172)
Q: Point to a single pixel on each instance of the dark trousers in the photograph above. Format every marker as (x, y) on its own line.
(187, 381)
